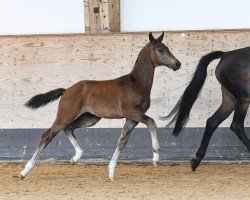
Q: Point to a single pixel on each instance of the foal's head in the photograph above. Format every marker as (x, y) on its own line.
(161, 55)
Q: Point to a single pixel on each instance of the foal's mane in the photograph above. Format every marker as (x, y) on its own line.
(144, 49)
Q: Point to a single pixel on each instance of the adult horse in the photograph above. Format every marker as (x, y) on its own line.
(86, 102)
(233, 73)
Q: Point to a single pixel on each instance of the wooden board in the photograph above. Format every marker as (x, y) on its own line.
(102, 16)
(35, 64)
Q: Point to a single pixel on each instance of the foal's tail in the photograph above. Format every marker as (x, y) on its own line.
(43, 99)
(183, 107)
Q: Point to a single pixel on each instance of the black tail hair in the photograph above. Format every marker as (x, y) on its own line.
(183, 107)
(43, 99)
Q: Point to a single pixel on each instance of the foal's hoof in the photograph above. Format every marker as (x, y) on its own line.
(72, 161)
(111, 179)
(21, 177)
(155, 163)
(194, 164)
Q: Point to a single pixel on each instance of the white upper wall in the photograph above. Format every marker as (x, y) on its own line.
(41, 16)
(67, 16)
(156, 15)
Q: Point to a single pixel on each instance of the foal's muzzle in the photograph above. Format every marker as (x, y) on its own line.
(177, 65)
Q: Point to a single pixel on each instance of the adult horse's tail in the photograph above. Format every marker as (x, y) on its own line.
(43, 99)
(183, 107)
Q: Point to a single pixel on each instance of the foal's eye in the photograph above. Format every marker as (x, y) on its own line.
(160, 50)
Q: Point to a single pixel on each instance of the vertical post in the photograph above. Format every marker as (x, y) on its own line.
(114, 16)
(102, 16)
(86, 16)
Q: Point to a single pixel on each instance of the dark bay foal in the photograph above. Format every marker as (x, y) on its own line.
(233, 73)
(86, 102)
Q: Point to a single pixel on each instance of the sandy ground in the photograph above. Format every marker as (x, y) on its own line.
(70, 182)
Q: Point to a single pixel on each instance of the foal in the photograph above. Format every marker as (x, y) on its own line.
(86, 102)
(233, 73)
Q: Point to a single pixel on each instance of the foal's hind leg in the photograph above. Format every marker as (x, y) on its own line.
(237, 125)
(46, 139)
(66, 114)
(84, 120)
(126, 130)
(226, 108)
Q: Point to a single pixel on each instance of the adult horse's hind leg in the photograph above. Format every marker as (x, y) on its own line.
(126, 130)
(84, 120)
(237, 125)
(226, 108)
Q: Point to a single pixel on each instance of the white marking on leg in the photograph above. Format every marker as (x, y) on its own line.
(76, 145)
(128, 127)
(113, 163)
(155, 146)
(30, 164)
(27, 169)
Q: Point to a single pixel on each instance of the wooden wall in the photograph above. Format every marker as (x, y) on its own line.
(35, 64)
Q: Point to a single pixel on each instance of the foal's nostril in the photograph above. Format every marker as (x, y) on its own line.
(178, 64)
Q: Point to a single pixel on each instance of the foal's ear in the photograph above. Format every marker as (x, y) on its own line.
(161, 37)
(151, 38)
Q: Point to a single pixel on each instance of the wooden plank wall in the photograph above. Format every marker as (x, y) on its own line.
(35, 64)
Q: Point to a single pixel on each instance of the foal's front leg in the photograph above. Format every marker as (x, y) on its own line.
(139, 116)
(78, 148)
(155, 143)
(126, 130)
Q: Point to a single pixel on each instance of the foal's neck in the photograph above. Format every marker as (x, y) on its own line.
(143, 70)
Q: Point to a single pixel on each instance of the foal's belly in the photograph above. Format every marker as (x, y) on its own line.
(105, 112)
(115, 108)
(104, 108)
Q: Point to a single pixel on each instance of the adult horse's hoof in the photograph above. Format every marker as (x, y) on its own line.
(194, 164)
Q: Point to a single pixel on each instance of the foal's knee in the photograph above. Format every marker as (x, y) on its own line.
(151, 124)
